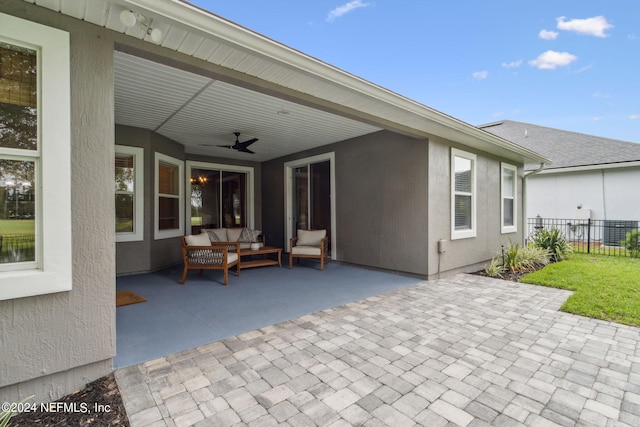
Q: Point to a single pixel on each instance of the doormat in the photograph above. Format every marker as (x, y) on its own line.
(127, 297)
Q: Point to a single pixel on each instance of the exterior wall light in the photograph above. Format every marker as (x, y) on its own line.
(131, 19)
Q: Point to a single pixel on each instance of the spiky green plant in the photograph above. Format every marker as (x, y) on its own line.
(523, 259)
(554, 241)
(495, 267)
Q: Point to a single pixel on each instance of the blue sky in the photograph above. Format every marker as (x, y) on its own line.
(569, 64)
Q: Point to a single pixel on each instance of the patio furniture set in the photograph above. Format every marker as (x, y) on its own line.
(225, 248)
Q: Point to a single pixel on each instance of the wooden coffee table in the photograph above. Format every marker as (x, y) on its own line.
(264, 260)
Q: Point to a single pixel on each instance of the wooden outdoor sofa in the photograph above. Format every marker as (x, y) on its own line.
(198, 253)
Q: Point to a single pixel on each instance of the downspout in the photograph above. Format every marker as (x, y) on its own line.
(524, 195)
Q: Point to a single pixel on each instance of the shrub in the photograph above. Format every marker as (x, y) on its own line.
(524, 259)
(495, 267)
(554, 241)
(632, 243)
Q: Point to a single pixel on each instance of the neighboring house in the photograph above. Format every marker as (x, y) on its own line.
(133, 122)
(589, 176)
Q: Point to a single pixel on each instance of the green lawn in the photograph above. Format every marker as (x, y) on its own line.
(17, 226)
(605, 287)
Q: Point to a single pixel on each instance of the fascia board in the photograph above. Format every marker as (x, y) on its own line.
(591, 167)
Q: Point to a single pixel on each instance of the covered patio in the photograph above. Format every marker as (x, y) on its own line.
(180, 317)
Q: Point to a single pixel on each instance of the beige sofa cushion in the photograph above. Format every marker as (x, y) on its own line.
(305, 250)
(310, 237)
(216, 234)
(233, 234)
(201, 239)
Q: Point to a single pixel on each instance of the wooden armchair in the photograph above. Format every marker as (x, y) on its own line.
(309, 244)
(202, 255)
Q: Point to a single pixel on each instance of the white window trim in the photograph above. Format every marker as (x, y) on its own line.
(224, 168)
(176, 232)
(472, 232)
(138, 194)
(53, 222)
(505, 229)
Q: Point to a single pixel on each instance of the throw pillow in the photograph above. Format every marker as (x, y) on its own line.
(310, 237)
(249, 236)
(213, 237)
(201, 239)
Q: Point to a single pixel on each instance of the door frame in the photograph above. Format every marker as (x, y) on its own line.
(288, 200)
(192, 164)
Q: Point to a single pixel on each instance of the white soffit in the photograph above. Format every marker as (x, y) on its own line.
(201, 113)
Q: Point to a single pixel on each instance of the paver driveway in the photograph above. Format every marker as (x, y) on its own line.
(465, 350)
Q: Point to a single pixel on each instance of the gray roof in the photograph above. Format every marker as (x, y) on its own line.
(564, 148)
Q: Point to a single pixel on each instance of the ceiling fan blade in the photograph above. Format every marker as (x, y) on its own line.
(225, 146)
(245, 150)
(248, 143)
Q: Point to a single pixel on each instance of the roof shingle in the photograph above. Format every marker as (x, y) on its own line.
(565, 148)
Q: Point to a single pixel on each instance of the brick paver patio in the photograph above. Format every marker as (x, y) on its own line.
(465, 350)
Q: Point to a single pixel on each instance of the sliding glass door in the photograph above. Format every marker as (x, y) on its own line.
(309, 196)
(220, 197)
(312, 197)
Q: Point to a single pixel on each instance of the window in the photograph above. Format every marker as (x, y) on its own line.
(129, 194)
(463, 198)
(509, 198)
(35, 166)
(220, 196)
(169, 196)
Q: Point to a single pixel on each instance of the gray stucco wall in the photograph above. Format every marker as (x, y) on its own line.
(381, 201)
(466, 254)
(54, 344)
(150, 254)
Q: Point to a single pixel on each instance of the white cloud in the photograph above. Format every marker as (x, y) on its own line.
(346, 8)
(480, 75)
(597, 118)
(632, 37)
(548, 35)
(601, 95)
(498, 114)
(634, 116)
(512, 64)
(550, 60)
(595, 26)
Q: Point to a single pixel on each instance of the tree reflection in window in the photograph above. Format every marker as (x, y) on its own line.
(19, 157)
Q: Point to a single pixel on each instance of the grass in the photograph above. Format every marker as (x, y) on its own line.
(606, 288)
(17, 226)
(17, 242)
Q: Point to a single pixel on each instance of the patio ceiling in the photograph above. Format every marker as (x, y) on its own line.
(202, 113)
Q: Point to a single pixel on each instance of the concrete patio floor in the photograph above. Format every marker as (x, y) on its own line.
(464, 350)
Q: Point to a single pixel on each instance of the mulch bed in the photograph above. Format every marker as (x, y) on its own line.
(513, 277)
(98, 404)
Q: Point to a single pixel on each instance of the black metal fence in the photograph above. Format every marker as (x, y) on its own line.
(17, 248)
(595, 236)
